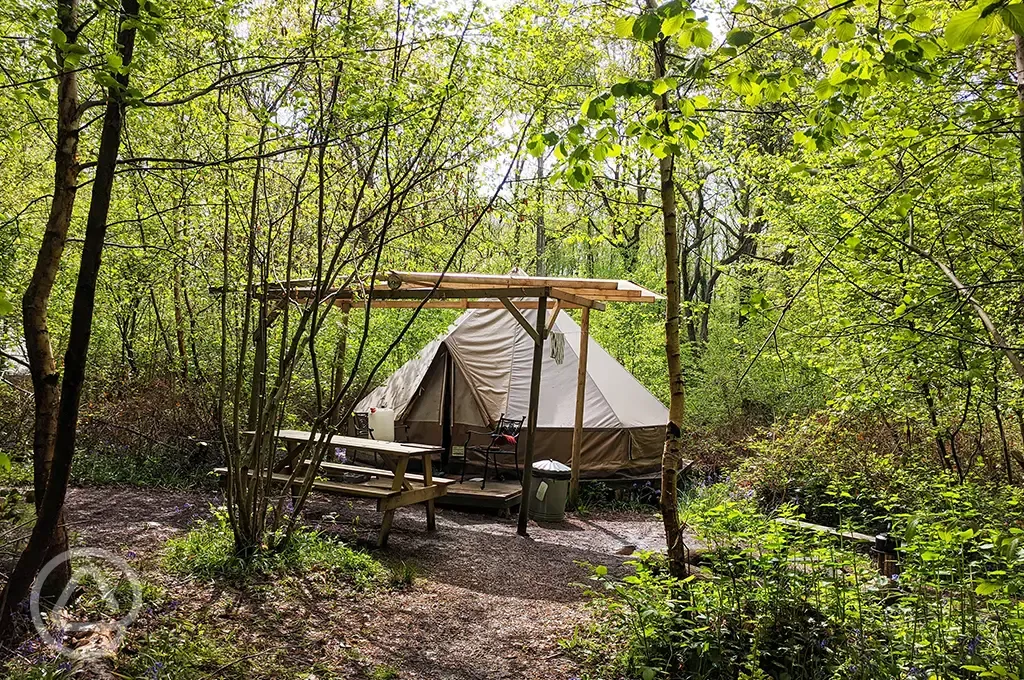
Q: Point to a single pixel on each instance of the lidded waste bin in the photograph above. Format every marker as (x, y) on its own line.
(549, 489)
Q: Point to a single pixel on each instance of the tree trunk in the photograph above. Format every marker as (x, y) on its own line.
(1018, 54)
(34, 304)
(542, 236)
(672, 455)
(52, 504)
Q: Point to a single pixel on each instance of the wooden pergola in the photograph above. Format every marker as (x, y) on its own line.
(515, 292)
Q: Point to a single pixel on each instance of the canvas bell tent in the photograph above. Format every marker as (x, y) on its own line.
(481, 368)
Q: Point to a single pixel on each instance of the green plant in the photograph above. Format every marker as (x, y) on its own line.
(772, 601)
(208, 552)
(178, 649)
(384, 672)
(403, 574)
(637, 497)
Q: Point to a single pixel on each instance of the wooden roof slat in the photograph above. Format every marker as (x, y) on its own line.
(498, 280)
(457, 293)
(471, 289)
(459, 304)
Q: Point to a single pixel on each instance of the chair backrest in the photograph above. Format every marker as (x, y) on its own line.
(361, 424)
(509, 426)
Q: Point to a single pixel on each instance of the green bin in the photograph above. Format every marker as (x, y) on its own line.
(549, 489)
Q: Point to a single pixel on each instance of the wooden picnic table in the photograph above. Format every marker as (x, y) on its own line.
(405, 489)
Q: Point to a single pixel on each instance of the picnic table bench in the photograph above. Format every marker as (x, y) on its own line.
(404, 489)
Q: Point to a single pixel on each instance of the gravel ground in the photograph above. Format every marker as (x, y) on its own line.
(486, 602)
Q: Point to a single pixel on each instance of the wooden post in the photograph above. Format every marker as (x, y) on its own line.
(531, 416)
(581, 393)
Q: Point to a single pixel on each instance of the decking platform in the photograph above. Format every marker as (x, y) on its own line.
(495, 496)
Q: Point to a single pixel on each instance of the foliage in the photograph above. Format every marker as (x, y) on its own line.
(207, 552)
(842, 470)
(634, 497)
(776, 602)
(180, 649)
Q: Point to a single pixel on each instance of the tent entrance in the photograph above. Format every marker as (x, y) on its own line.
(447, 410)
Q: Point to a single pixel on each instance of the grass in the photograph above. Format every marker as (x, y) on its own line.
(207, 552)
(403, 574)
(179, 649)
(384, 672)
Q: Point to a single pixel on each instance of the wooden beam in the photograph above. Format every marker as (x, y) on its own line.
(457, 304)
(624, 294)
(554, 315)
(535, 333)
(566, 296)
(457, 279)
(581, 392)
(531, 417)
(458, 293)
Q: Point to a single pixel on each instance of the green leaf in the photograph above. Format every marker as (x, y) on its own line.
(921, 22)
(672, 25)
(114, 61)
(624, 27)
(647, 27)
(846, 30)
(1013, 18)
(5, 462)
(987, 588)
(701, 37)
(536, 146)
(663, 85)
(739, 38)
(57, 36)
(965, 27)
(5, 305)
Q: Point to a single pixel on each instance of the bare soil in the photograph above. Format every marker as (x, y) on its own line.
(486, 603)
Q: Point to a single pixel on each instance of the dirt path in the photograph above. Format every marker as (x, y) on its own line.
(486, 602)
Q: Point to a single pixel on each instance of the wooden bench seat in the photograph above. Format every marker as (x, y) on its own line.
(377, 472)
(357, 490)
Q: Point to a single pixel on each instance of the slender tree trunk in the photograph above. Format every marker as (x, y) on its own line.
(672, 455)
(34, 304)
(1018, 54)
(179, 324)
(542, 236)
(52, 505)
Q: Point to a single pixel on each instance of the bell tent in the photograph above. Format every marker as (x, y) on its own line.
(480, 369)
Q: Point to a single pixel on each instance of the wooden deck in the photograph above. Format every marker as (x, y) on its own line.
(495, 496)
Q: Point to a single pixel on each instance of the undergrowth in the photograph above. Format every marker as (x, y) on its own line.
(638, 497)
(208, 552)
(771, 601)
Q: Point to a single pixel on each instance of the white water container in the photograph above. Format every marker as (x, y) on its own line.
(382, 422)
